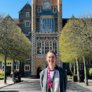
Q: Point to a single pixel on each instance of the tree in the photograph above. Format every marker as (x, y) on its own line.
(76, 40)
(70, 40)
(88, 33)
(13, 43)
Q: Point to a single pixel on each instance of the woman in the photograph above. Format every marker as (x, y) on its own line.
(52, 78)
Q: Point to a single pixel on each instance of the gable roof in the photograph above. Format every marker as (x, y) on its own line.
(26, 5)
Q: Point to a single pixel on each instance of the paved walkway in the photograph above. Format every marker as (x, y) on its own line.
(27, 85)
(79, 87)
(9, 82)
(32, 85)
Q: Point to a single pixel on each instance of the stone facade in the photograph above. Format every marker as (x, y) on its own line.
(46, 27)
(42, 24)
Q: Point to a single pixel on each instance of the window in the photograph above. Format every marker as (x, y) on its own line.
(44, 46)
(39, 49)
(8, 63)
(50, 45)
(47, 24)
(46, 5)
(17, 65)
(27, 67)
(55, 47)
(39, 9)
(27, 24)
(54, 9)
(27, 14)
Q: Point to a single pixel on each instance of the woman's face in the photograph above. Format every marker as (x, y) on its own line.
(51, 59)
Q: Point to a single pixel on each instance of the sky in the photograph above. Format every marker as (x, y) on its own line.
(70, 8)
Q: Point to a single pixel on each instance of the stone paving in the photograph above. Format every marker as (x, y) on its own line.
(9, 82)
(27, 85)
(32, 85)
(78, 87)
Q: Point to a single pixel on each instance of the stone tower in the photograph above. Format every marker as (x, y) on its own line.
(46, 27)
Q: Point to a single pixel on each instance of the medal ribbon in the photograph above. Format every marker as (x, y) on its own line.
(50, 80)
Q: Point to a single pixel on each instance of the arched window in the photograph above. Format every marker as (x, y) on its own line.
(55, 46)
(39, 48)
(44, 46)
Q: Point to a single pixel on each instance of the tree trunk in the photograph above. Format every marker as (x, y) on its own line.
(19, 66)
(85, 71)
(21, 71)
(70, 67)
(74, 73)
(74, 69)
(78, 73)
(13, 78)
(5, 70)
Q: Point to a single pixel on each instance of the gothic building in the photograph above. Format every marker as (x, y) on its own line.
(46, 26)
(41, 23)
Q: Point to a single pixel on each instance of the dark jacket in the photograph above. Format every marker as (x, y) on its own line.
(43, 79)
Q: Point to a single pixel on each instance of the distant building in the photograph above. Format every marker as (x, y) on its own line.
(25, 20)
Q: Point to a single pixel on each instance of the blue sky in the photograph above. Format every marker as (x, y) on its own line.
(69, 7)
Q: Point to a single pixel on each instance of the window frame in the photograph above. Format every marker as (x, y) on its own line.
(26, 24)
(46, 45)
(47, 24)
(27, 14)
(54, 9)
(27, 67)
(39, 9)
